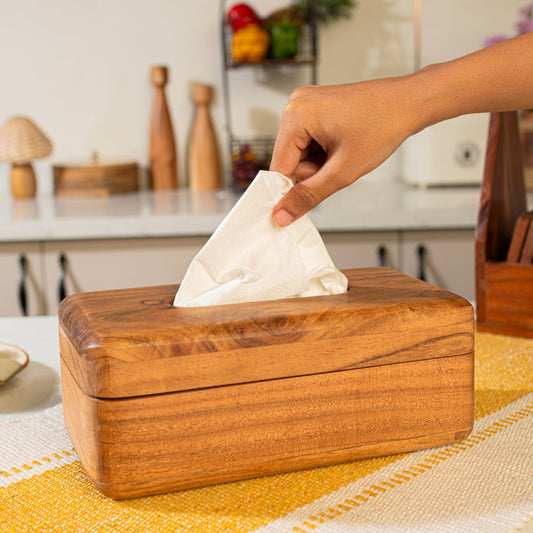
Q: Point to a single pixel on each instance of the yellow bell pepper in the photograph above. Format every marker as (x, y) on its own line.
(250, 44)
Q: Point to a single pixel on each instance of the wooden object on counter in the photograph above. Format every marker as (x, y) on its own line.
(205, 171)
(504, 289)
(526, 256)
(21, 142)
(158, 398)
(518, 238)
(526, 133)
(163, 157)
(23, 182)
(95, 178)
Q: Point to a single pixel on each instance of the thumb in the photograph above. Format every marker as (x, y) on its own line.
(305, 195)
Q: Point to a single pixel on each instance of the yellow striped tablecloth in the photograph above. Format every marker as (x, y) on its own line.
(484, 483)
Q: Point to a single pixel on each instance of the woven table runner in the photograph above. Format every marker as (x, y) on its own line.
(484, 483)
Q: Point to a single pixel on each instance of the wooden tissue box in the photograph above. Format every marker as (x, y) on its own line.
(158, 398)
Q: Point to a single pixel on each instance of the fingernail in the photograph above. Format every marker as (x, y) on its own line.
(283, 218)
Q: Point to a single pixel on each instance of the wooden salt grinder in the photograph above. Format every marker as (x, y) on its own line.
(204, 159)
(163, 159)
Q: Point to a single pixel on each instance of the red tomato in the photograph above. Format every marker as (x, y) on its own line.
(241, 15)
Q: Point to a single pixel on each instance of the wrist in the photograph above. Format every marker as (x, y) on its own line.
(434, 96)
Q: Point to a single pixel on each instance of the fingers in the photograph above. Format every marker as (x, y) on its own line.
(305, 170)
(292, 141)
(305, 151)
(312, 159)
(307, 194)
(331, 136)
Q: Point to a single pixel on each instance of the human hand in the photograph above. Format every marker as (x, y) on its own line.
(332, 135)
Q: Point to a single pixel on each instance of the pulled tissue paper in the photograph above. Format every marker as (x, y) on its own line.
(248, 258)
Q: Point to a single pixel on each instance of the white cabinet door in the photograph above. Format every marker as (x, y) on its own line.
(21, 286)
(446, 256)
(448, 261)
(117, 263)
(122, 263)
(358, 250)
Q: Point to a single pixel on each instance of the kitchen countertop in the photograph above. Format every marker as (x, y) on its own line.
(363, 206)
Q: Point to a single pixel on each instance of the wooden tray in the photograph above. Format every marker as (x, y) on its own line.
(158, 398)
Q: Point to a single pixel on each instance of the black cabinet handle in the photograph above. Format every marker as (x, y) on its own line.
(421, 252)
(61, 288)
(382, 254)
(23, 300)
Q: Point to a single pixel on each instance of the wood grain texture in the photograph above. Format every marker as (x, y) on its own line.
(163, 156)
(205, 172)
(509, 299)
(502, 198)
(503, 289)
(519, 236)
(526, 133)
(526, 256)
(195, 396)
(22, 179)
(95, 180)
(134, 342)
(146, 445)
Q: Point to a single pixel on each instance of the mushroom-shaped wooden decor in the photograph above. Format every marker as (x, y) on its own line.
(21, 142)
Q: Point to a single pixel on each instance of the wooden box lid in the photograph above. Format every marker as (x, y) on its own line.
(95, 178)
(133, 342)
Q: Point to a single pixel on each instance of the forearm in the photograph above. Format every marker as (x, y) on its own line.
(330, 136)
(497, 78)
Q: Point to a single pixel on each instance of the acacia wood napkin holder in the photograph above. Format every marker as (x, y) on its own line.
(504, 271)
(158, 398)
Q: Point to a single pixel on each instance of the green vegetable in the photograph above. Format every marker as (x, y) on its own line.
(285, 37)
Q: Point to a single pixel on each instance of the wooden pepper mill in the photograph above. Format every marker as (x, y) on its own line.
(163, 158)
(204, 159)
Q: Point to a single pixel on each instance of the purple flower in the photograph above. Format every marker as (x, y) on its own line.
(526, 11)
(524, 26)
(495, 39)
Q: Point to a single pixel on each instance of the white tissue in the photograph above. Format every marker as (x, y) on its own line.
(248, 258)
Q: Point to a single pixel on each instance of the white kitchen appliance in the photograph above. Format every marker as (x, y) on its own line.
(450, 153)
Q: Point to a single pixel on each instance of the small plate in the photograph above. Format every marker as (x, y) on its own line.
(12, 360)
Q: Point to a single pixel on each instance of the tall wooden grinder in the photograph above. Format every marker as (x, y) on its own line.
(204, 160)
(163, 158)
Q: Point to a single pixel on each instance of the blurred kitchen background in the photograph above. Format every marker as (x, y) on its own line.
(81, 69)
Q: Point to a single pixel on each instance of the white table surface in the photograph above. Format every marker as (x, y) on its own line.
(37, 387)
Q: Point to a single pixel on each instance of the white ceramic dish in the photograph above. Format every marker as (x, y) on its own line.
(12, 360)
